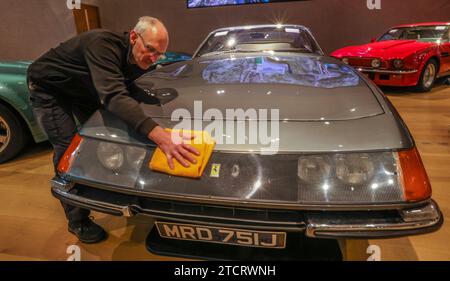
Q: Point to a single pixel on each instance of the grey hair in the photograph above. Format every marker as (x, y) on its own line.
(145, 23)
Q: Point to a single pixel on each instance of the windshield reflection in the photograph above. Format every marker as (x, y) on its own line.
(304, 71)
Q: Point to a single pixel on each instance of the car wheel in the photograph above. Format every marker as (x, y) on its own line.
(428, 76)
(13, 135)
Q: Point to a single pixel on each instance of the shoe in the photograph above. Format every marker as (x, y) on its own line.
(87, 231)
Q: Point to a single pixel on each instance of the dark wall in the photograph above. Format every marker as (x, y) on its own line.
(30, 27)
(335, 23)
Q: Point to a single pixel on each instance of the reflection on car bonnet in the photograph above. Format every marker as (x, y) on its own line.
(299, 71)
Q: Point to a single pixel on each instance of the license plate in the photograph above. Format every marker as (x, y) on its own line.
(222, 235)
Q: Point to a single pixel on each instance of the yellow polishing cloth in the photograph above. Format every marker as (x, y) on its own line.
(202, 141)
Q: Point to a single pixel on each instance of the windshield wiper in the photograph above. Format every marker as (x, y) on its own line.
(298, 50)
(218, 52)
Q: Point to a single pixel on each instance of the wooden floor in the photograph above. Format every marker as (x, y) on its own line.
(33, 226)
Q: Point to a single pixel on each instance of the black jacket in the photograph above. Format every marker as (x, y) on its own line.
(94, 67)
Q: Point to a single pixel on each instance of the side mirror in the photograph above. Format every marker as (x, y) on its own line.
(373, 40)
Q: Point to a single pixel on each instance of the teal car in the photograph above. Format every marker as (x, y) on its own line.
(17, 123)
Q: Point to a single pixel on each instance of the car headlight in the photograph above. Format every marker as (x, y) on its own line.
(353, 177)
(398, 63)
(354, 169)
(345, 60)
(110, 155)
(313, 169)
(376, 63)
(135, 155)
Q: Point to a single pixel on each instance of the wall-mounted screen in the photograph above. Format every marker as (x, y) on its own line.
(215, 3)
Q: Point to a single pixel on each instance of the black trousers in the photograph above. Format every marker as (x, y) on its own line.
(55, 115)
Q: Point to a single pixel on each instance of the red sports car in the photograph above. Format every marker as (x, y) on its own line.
(406, 55)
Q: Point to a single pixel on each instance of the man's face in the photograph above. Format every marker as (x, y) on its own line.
(147, 47)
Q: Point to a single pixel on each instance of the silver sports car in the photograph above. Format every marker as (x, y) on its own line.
(306, 145)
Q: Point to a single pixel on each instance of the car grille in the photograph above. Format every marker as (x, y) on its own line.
(364, 62)
(176, 209)
(232, 216)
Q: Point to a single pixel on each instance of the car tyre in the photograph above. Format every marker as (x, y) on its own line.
(428, 76)
(13, 135)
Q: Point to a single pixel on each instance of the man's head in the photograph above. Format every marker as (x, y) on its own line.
(149, 40)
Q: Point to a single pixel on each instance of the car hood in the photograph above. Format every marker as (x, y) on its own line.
(385, 49)
(381, 132)
(327, 107)
(302, 88)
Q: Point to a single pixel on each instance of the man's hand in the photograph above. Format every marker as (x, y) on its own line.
(174, 146)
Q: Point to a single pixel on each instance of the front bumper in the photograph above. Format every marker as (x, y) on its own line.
(402, 78)
(363, 223)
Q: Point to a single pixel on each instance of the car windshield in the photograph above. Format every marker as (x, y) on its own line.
(260, 39)
(421, 33)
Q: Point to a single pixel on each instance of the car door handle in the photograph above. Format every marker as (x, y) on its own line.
(444, 55)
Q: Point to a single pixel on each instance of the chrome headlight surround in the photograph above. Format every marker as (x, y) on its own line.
(376, 63)
(398, 63)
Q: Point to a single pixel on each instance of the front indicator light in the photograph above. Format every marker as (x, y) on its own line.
(415, 181)
(65, 163)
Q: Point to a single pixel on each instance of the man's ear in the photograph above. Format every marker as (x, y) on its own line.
(133, 37)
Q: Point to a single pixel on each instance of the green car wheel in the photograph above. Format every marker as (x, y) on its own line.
(13, 134)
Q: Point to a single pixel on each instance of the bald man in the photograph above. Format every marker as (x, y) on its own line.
(92, 71)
